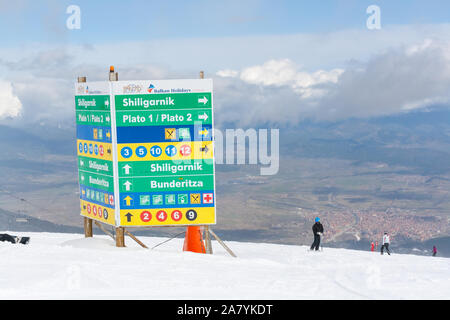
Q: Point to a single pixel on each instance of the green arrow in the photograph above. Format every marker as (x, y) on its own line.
(203, 100)
(127, 169)
(127, 185)
(203, 116)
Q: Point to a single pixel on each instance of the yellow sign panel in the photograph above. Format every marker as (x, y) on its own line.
(97, 212)
(166, 151)
(168, 217)
(96, 150)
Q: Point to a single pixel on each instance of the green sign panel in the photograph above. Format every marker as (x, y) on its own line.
(164, 117)
(163, 101)
(145, 152)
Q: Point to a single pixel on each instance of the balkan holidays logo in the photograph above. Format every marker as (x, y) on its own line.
(153, 89)
(85, 90)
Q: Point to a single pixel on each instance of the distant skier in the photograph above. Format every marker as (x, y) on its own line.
(372, 246)
(317, 229)
(386, 241)
(13, 239)
(434, 251)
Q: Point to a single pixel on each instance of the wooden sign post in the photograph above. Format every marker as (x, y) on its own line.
(87, 222)
(127, 128)
(120, 231)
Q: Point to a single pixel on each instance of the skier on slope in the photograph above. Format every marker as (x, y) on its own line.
(386, 241)
(13, 239)
(317, 229)
(434, 251)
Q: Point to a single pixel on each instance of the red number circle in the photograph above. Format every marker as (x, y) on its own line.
(176, 215)
(185, 150)
(146, 216)
(161, 215)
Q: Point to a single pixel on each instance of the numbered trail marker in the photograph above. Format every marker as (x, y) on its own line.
(145, 152)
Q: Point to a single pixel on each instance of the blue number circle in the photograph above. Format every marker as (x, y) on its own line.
(171, 151)
(126, 152)
(155, 151)
(141, 151)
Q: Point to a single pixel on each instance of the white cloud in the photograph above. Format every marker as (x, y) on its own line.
(284, 72)
(314, 76)
(278, 91)
(10, 105)
(227, 73)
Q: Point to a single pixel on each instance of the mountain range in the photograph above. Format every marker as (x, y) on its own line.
(345, 171)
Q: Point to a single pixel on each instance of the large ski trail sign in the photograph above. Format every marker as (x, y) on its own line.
(146, 148)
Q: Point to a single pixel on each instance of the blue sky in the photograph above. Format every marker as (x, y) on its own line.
(312, 59)
(106, 21)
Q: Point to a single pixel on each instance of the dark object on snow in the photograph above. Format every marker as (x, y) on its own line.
(13, 239)
(434, 251)
(385, 246)
(24, 240)
(317, 230)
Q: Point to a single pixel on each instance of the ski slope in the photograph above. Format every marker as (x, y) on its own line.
(69, 266)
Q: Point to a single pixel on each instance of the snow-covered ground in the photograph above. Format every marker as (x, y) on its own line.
(68, 266)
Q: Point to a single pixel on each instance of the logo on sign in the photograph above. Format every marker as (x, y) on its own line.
(81, 90)
(85, 90)
(132, 88)
(150, 88)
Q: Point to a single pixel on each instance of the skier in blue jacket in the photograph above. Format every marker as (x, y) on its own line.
(317, 229)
